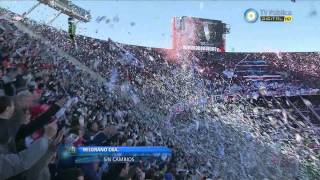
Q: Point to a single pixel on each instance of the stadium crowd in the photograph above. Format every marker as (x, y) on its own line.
(48, 104)
(41, 93)
(138, 63)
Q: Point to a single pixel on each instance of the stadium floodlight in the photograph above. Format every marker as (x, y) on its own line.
(68, 8)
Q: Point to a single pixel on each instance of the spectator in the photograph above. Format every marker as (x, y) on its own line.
(92, 129)
(117, 171)
(12, 163)
(71, 174)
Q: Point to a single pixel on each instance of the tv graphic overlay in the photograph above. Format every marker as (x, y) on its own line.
(251, 15)
(268, 15)
(276, 18)
(122, 154)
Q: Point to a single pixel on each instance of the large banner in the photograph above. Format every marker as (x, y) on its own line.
(208, 33)
(199, 34)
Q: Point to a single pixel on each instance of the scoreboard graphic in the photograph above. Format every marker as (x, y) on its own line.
(199, 34)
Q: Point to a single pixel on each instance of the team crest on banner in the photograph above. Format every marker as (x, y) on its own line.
(206, 31)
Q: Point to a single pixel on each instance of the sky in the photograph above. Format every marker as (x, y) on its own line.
(148, 23)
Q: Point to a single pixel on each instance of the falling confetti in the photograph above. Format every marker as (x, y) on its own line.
(201, 6)
(231, 139)
(116, 19)
(100, 18)
(313, 13)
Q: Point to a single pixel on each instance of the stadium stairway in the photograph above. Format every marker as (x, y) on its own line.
(309, 105)
(302, 115)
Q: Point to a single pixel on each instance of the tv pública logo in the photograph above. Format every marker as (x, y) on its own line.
(251, 15)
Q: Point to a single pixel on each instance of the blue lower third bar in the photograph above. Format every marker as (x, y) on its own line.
(111, 150)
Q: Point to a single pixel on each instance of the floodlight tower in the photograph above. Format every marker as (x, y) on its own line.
(63, 7)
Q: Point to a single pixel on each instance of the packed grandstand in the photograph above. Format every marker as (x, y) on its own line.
(225, 115)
